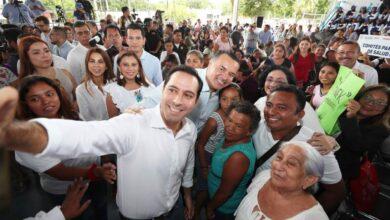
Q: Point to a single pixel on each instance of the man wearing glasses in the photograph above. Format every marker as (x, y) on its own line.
(76, 57)
(347, 54)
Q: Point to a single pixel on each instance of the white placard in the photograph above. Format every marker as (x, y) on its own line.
(375, 45)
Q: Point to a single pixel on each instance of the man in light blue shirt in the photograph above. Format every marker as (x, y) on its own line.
(36, 7)
(265, 36)
(222, 69)
(150, 64)
(17, 13)
(61, 45)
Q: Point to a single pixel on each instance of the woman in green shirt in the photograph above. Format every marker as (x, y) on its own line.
(233, 162)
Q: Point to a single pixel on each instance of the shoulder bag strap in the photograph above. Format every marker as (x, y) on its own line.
(275, 148)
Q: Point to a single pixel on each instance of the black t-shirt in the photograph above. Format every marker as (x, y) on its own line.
(152, 40)
(236, 37)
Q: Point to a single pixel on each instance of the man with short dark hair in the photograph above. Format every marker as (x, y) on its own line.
(43, 25)
(112, 37)
(265, 35)
(178, 46)
(347, 54)
(155, 150)
(222, 69)
(125, 19)
(150, 64)
(153, 39)
(11, 37)
(61, 46)
(76, 57)
(284, 108)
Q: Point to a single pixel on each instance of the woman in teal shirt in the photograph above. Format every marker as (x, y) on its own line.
(233, 162)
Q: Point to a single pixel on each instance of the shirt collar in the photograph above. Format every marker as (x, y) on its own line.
(356, 66)
(143, 55)
(156, 120)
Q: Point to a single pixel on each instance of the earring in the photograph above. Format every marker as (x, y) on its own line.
(138, 76)
(121, 76)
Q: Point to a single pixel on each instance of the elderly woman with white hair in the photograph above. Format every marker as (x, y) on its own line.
(284, 192)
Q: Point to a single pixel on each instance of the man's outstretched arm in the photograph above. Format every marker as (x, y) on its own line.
(23, 136)
(64, 138)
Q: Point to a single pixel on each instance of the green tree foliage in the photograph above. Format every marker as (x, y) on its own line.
(282, 8)
(253, 8)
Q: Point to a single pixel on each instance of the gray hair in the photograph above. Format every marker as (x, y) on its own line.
(314, 163)
(196, 53)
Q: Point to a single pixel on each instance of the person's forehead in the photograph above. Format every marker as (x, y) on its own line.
(82, 28)
(184, 81)
(281, 97)
(134, 33)
(294, 151)
(112, 31)
(348, 47)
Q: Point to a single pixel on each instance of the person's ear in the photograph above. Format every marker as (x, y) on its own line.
(309, 181)
(301, 114)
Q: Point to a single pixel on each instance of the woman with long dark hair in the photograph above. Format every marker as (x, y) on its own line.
(303, 61)
(36, 59)
(364, 126)
(91, 98)
(41, 97)
(130, 87)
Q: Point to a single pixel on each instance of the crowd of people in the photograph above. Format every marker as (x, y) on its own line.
(191, 117)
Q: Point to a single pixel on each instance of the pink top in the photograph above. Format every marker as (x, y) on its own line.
(224, 46)
(318, 98)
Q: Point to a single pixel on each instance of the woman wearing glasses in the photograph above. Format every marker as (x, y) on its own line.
(364, 126)
(276, 76)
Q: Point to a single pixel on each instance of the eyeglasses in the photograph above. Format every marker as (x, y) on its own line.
(80, 33)
(378, 104)
(348, 53)
(278, 82)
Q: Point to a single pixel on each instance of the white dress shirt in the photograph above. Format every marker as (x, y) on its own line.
(263, 141)
(46, 38)
(310, 119)
(151, 66)
(370, 74)
(208, 101)
(152, 162)
(91, 102)
(53, 214)
(76, 61)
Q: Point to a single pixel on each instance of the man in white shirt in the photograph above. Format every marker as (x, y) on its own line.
(61, 47)
(150, 64)
(222, 69)
(284, 108)
(76, 57)
(155, 150)
(347, 54)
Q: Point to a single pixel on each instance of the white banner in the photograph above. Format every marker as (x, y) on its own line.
(375, 45)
